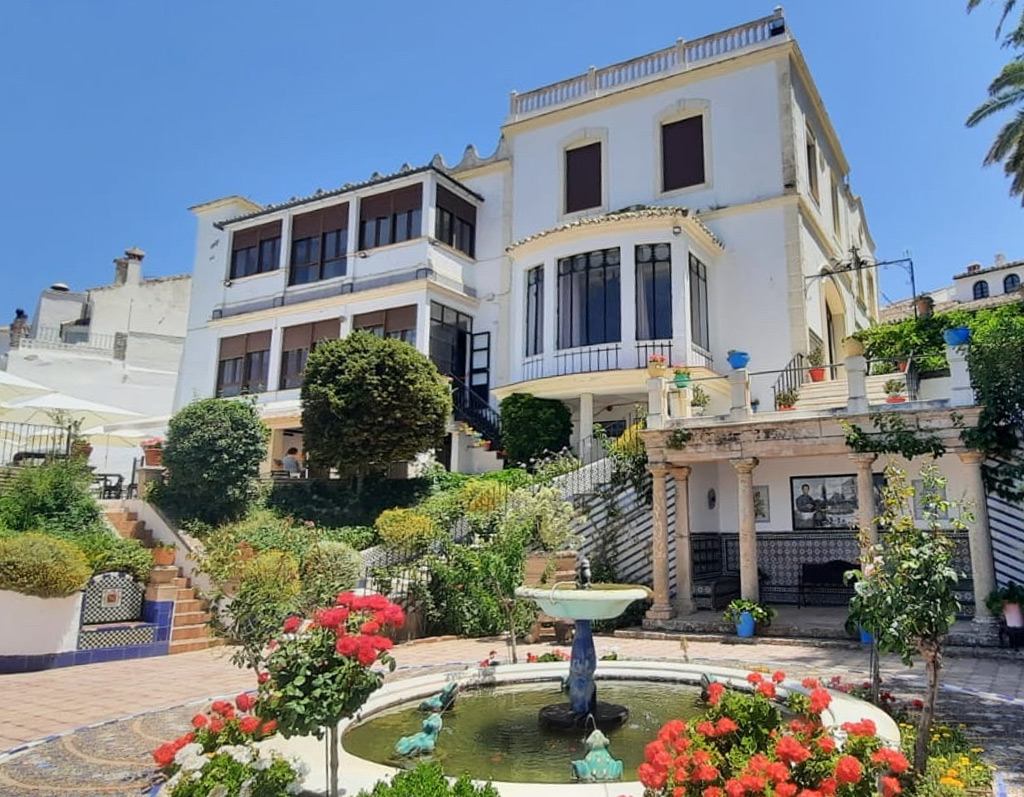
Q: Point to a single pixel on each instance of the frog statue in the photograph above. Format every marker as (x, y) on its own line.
(443, 700)
(421, 743)
(598, 764)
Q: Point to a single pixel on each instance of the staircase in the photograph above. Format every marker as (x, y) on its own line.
(470, 408)
(834, 392)
(190, 629)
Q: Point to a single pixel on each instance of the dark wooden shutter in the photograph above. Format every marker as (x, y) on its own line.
(326, 330)
(583, 178)
(232, 347)
(456, 205)
(257, 341)
(399, 318)
(368, 320)
(682, 153)
(243, 239)
(306, 225)
(298, 337)
(335, 217)
(400, 201)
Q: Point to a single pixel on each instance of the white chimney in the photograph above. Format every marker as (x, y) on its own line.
(1000, 259)
(128, 269)
(973, 268)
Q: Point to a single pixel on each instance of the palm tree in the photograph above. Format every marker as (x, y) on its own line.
(1007, 9)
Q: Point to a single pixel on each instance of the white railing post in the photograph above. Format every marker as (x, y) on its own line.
(856, 385)
(657, 403)
(961, 393)
(739, 392)
(513, 110)
(681, 53)
(592, 80)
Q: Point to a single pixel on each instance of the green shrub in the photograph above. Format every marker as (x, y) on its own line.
(334, 502)
(547, 520)
(328, 569)
(405, 529)
(531, 426)
(213, 452)
(267, 594)
(428, 780)
(41, 565)
(359, 537)
(110, 553)
(52, 497)
(228, 547)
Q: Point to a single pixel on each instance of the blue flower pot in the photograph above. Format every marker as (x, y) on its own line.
(957, 336)
(738, 359)
(745, 625)
(865, 637)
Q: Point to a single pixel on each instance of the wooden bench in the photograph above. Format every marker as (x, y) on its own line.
(547, 570)
(825, 581)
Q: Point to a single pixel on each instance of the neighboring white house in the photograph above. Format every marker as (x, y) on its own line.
(682, 203)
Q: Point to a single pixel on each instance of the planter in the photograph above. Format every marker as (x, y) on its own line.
(785, 409)
(682, 380)
(745, 625)
(162, 557)
(154, 457)
(895, 399)
(957, 336)
(1013, 615)
(853, 347)
(866, 638)
(31, 626)
(655, 371)
(902, 366)
(817, 373)
(924, 306)
(738, 359)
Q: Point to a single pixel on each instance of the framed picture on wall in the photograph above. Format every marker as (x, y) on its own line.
(762, 509)
(919, 491)
(824, 502)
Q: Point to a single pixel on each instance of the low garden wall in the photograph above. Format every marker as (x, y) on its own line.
(37, 627)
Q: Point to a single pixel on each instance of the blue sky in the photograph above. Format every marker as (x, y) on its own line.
(120, 114)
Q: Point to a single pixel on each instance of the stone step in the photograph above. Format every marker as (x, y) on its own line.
(186, 594)
(179, 632)
(187, 645)
(192, 605)
(181, 582)
(191, 618)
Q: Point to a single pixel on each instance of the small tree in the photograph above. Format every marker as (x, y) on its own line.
(531, 426)
(904, 594)
(368, 402)
(213, 452)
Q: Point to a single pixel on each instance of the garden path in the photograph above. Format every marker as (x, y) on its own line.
(134, 705)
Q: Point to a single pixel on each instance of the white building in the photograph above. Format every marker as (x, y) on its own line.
(975, 287)
(674, 204)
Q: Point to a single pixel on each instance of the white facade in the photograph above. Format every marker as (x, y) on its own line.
(769, 213)
(1001, 278)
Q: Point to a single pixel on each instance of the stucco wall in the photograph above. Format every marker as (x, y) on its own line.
(31, 626)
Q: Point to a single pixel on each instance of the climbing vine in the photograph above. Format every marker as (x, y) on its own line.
(892, 435)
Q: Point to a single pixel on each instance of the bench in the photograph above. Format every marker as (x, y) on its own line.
(547, 570)
(825, 582)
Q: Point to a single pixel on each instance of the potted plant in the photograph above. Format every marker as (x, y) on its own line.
(700, 400)
(737, 359)
(956, 336)
(747, 615)
(894, 391)
(81, 449)
(786, 399)
(153, 449)
(924, 304)
(852, 347)
(163, 553)
(816, 359)
(656, 365)
(682, 376)
(1008, 600)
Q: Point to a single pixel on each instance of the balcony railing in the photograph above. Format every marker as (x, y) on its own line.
(56, 338)
(681, 56)
(611, 357)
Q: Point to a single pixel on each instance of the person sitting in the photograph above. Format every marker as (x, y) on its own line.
(291, 463)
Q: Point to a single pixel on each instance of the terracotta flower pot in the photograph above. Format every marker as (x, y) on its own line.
(154, 457)
(786, 409)
(163, 557)
(655, 370)
(817, 373)
(895, 400)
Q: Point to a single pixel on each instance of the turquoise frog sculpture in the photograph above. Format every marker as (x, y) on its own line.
(421, 743)
(443, 700)
(598, 764)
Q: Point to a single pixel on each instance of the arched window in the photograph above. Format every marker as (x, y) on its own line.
(981, 289)
(1011, 283)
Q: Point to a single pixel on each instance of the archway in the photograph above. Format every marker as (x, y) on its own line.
(833, 324)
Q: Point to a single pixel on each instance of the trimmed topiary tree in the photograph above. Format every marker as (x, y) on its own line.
(369, 402)
(213, 452)
(531, 426)
(42, 566)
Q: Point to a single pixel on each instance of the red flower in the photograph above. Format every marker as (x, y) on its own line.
(890, 786)
(767, 689)
(810, 683)
(370, 627)
(809, 793)
(263, 677)
(345, 599)
(244, 702)
(753, 783)
(330, 618)
(862, 728)
(734, 788)
(892, 759)
(786, 789)
(164, 755)
(221, 707)
(199, 721)
(713, 791)
(829, 786)
(672, 730)
(820, 700)
(755, 678)
(849, 769)
(778, 676)
(791, 751)
(715, 692)
(268, 727)
(777, 771)
(826, 744)
(393, 615)
(292, 624)
(725, 725)
(705, 728)
(651, 776)
(916, 703)
(531, 658)
(217, 725)
(249, 725)
(705, 772)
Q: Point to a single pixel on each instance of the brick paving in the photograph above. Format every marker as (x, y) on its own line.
(150, 697)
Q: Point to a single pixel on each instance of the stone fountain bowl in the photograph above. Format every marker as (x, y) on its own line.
(599, 602)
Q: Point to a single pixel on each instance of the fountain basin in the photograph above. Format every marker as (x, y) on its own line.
(584, 604)
(359, 773)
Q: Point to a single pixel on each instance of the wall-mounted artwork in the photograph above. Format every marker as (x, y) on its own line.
(824, 502)
(762, 509)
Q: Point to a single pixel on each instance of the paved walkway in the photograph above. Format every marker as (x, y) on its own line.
(148, 699)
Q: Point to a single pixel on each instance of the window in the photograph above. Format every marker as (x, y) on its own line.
(256, 250)
(682, 153)
(535, 311)
(319, 244)
(391, 218)
(449, 339)
(981, 289)
(583, 178)
(812, 164)
(699, 328)
(456, 222)
(243, 364)
(1011, 283)
(835, 206)
(395, 322)
(298, 342)
(653, 292)
(588, 299)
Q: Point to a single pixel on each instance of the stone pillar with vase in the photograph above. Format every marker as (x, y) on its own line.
(749, 587)
(979, 536)
(662, 607)
(684, 552)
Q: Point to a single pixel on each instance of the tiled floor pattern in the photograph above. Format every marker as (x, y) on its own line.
(112, 759)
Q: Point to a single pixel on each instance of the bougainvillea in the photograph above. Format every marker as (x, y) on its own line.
(743, 745)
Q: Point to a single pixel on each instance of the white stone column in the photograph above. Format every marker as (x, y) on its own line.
(857, 385)
(749, 588)
(866, 497)
(662, 608)
(961, 393)
(274, 366)
(586, 426)
(739, 391)
(657, 403)
(684, 553)
(979, 536)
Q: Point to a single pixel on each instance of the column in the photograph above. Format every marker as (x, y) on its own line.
(657, 403)
(961, 393)
(979, 536)
(274, 366)
(586, 427)
(856, 385)
(866, 499)
(662, 608)
(684, 553)
(739, 391)
(749, 589)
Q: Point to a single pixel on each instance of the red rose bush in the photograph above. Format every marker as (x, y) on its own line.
(744, 746)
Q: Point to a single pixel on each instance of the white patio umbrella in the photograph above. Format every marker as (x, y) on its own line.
(14, 387)
(39, 408)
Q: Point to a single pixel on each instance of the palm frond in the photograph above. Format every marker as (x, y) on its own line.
(1008, 6)
(1009, 138)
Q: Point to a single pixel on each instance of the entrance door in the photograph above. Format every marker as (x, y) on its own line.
(480, 363)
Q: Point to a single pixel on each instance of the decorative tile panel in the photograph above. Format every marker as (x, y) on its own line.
(112, 598)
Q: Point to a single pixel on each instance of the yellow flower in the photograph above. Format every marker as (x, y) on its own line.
(951, 782)
(977, 749)
(951, 773)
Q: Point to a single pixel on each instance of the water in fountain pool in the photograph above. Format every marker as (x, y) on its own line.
(493, 734)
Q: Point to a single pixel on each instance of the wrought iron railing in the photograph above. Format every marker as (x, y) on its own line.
(645, 349)
(32, 444)
(791, 377)
(471, 408)
(588, 360)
